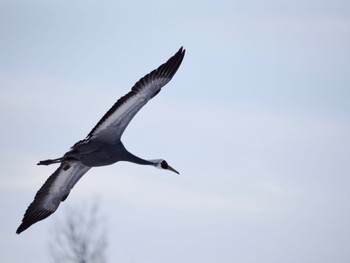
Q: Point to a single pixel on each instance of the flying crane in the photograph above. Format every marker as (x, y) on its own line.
(102, 146)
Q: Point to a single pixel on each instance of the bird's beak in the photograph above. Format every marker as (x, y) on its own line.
(172, 169)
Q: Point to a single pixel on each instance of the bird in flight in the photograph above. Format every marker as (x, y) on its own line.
(102, 146)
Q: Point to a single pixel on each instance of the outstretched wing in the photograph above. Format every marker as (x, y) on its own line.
(55, 189)
(114, 122)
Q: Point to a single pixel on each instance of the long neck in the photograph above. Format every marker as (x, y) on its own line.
(129, 157)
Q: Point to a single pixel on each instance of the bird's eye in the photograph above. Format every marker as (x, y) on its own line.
(164, 165)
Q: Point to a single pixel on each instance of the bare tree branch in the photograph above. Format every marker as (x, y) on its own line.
(80, 237)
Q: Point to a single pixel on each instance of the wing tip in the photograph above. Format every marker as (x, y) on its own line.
(21, 228)
(31, 217)
(182, 50)
(170, 67)
(180, 53)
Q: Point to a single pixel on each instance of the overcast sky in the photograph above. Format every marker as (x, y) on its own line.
(256, 120)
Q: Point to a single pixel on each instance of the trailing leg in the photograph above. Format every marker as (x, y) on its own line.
(51, 161)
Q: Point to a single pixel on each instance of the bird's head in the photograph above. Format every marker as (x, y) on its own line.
(162, 164)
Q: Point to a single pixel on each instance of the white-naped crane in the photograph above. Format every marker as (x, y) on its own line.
(102, 146)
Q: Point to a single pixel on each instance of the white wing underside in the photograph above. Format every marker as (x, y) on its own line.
(55, 189)
(114, 126)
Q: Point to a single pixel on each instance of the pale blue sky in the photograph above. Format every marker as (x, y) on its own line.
(257, 121)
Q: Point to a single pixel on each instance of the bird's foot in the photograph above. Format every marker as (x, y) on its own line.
(51, 161)
(46, 162)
